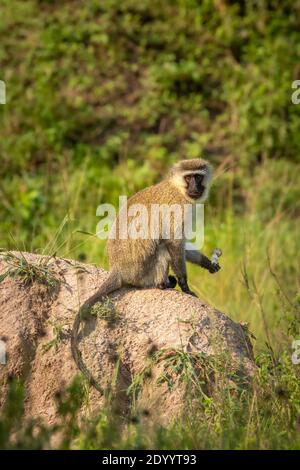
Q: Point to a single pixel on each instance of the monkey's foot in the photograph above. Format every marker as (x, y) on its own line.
(169, 284)
(172, 282)
(190, 292)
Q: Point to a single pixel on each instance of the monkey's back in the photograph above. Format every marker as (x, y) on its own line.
(132, 257)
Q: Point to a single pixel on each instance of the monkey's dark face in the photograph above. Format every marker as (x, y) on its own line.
(192, 178)
(195, 186)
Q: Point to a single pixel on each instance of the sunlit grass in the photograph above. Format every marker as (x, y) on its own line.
(246, 243)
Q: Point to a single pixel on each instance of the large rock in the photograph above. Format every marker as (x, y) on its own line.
(138, 338)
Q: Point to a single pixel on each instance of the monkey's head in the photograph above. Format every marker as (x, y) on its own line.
(192, 178)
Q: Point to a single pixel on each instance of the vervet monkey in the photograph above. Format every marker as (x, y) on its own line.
(145, 262)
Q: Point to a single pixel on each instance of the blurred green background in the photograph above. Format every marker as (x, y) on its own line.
(102, 96)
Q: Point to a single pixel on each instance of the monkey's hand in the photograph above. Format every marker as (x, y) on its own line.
(212, 264)
(214, 261)
(207, 264)
(214, 268)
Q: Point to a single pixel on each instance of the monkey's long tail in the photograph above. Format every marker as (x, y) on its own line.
(112, 283)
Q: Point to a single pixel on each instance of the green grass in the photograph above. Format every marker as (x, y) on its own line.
(266, 416)
(20, 269)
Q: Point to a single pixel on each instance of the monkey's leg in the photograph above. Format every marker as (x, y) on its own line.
(196, 257)
(161, 279)
(177, 254)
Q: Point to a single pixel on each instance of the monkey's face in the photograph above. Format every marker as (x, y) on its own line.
(195, 186)
(192, 178)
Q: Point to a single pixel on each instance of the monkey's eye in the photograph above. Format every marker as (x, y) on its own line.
(199, 178)
(188, 178)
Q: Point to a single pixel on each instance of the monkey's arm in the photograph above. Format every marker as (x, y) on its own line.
(196, 257)
(176, 250)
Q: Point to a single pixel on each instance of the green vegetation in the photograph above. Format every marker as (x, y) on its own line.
(60, 333)
(106, 311)
(101, 98)
(21, 269)
(264, 417)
